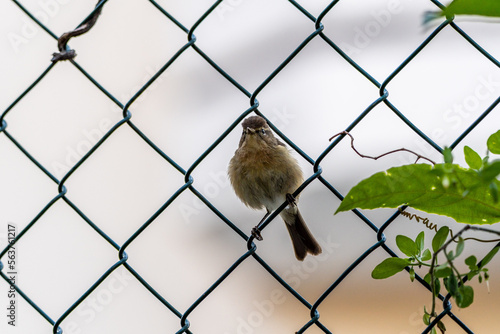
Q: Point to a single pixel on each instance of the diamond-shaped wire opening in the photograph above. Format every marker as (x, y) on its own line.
(167, 114)
(452, 103)
(31, 121)
(102, 311)
(122, 198)
(118, 57)
(248, 64)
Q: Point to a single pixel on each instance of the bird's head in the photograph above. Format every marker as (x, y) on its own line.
(256, 133)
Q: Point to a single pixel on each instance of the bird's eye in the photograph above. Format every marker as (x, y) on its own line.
(262, 131)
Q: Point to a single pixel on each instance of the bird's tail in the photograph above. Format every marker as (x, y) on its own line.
(302, 239)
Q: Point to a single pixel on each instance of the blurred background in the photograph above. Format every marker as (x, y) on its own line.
(187, 247)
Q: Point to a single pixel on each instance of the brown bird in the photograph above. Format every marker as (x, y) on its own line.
(264, 174)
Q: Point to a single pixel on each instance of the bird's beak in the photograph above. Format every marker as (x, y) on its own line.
(250, 130)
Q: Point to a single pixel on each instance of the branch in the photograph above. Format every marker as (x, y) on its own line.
(419, 156)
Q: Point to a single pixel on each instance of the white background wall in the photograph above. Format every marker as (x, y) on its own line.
(181, 254)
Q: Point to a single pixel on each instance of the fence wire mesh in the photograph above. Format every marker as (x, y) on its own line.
(186, 171)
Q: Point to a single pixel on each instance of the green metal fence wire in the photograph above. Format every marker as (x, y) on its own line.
(190, 184)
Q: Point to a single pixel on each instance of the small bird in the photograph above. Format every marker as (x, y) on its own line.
(264, 174)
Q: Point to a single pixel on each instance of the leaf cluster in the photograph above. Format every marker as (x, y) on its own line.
(468, 195)
(440, 275)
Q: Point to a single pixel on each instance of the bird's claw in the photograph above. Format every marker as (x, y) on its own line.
(291, 200)
(256, 233)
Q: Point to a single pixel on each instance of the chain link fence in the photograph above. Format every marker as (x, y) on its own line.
(107, 138)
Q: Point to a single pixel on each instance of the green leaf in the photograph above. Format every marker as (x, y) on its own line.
(426, 256)
(406, 245)
(439, 238)
(471, 261)
(412, 274)
(494, 143)
(451, 284)
(427, 319)
(437, 287)
(419, 241)
(420, 186)
(441, 273)
(460, 247)
(447, 155)
(466, 294)
(490, 172)
(389, 267)
(472, 158)
(494, 191)
(437, 284)
(489, 256)
(441, 327)
(441, 266)
(472, 7)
